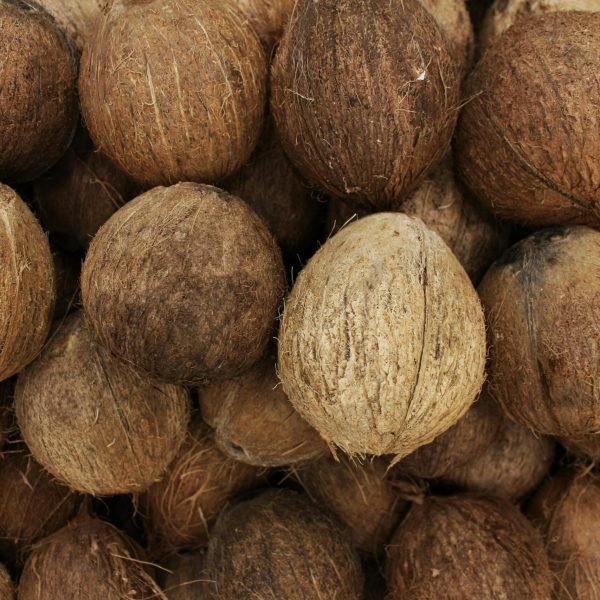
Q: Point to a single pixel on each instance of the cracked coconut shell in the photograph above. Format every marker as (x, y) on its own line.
(269, 17)
(38, 103)
(280, 545)
(255, 423)
(526, 144)
(382, 342)
(542, 304)
(103, 564)
(373, 109)
(184, 283)
(467, 548)
(26, 284)
(174, 90)
(7, 587)
(94, 422)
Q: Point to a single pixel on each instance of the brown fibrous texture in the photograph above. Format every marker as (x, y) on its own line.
(174, 90)
(280, 545)
(184, 283)
(542, 304)
(368, 114)
(102, 564)
(382, 342)
(466, 548)
(66, 272)
(524, 110)
(39, 94)
(361, 496)
(585, 446)
(94, 422)
(7, 587)
(269, 17)
(187, 578)
(181, 509)
(26, 284)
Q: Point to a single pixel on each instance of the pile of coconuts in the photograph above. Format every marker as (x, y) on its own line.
(299, 299)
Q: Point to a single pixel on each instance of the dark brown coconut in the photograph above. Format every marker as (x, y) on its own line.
(187, 578)
(255, 423)
(87, 559)
(184, 283)
(66, 272)
(26, 283)
(32, 505)
(586, 446)
(542, 303)
(94, 422)
(359, 495)
(174, 90)
(467, 548)
(367, 122)
(269, 18)
(525, 110)
(7, 587)
(280, 545)
(183, 506)
(39, 96)
(512, 466)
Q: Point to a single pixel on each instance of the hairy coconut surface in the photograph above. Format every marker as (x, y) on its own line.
(66, 272)
(269, 17)
(182, 507)
(586, 446)
(525, 108)
(462, 547)
(542, 304)
(371, 111)
(26, 284)
(184, 283)
(359, 495)
(103, 564)
(254, 421)
(280, 545)
(7, 587)
(174, 90)
(39, 95)
(94, 422)
(382, 343)
(187, 578)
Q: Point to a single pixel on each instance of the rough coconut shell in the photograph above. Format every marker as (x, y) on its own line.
(183, 506)
(359, 495)
(382, 343)
(269, 18)
(280, 545)
(466, 548)
(39, 96)
(526, 143)
(94, 422)
(66, 272)
(103, 564)
(187, 579)
(542, 303)
(26, 283)
(255, 423)
(185, 283)
(374, 108)
(7, 587)
(174, 90)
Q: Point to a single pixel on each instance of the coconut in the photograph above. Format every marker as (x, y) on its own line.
(102, 563)
(512, 466)
(382, 342)
(32, 505)
(542, 301)
(586, 446)
(367, 122)
(513, 133)
(461, 547)
(174, 90)
(186, 579)
(269, 18)
(39, 96)
(7, 587)
(280, 545)
(359, 495)
(184, 282)
(66, 272)
(26, 283)
(254, 421)
(94, 422)
(183, 506)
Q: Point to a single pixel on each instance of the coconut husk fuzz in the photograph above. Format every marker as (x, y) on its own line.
(66, 272)
(94, 422)
(382, 342)
(7, 587)
(197, 272)
(367, 123)
(280, 545)
(26, 283)
(187, 578)
(255, 423)
(541, 301)
(269, 17)
(467, 548)
(586, 446)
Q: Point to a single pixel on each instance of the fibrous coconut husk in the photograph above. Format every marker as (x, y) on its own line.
(187, 578)
(269, 17)
(7, 587)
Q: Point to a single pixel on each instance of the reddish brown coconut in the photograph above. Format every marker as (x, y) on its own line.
(269, 17)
